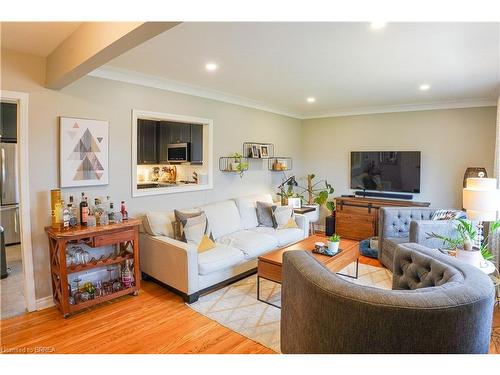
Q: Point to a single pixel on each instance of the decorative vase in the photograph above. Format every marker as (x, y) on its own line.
(472, 257)
(333, 246)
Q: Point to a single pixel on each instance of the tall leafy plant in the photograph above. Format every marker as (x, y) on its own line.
(317, 192)
(466, 235)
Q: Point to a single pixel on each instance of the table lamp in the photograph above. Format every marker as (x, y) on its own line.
(481, 200)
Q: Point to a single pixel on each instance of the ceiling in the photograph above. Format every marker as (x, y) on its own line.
(36, 38)
(346, 67)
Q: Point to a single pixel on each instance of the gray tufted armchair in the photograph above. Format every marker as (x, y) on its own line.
(437, 305)
(399, 225)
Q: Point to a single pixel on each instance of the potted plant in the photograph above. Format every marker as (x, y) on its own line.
(238, 165)
(333, 243)
(331, 206)
(463, 245)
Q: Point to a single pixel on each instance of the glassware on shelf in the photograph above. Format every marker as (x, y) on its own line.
(99, 289)
(91, 221)
(118, 217)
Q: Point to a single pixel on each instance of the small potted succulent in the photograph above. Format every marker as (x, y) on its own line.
(333, 243)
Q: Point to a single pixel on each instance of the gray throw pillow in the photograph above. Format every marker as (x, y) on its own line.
(265, 214)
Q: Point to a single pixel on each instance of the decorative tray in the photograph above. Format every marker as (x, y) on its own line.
(324, 251)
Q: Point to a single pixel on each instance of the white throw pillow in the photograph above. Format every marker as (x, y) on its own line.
(197, 232)
(282, 216)
(159, 223)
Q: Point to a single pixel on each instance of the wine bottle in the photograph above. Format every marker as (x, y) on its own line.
(84, 210)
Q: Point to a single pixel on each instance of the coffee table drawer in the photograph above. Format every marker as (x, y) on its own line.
(269, 271)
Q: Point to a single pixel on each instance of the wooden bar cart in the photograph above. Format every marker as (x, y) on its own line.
(124, 235)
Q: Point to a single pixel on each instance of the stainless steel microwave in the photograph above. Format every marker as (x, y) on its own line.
(178, 152)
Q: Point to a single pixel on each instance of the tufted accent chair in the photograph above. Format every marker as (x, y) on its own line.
(437, 305)
(408, 224)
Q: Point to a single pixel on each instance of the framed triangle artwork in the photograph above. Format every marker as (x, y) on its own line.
(84, 152)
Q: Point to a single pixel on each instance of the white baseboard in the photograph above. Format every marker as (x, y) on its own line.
(44, 303)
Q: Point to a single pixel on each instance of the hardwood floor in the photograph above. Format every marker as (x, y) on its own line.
(156, 321)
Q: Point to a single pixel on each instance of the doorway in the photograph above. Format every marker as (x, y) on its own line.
(17, 294)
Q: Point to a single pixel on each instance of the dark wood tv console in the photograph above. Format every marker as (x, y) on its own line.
(357, 218)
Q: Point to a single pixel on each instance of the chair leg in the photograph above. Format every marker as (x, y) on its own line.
(311, 228)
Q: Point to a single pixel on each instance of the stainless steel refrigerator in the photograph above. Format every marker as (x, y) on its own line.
(9, 189)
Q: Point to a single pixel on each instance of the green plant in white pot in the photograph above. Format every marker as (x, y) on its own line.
(333, 243)
(238, 164)
(463, 245)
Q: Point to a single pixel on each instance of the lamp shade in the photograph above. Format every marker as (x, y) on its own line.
(481, 199)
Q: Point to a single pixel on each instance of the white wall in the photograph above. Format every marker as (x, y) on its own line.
(113, 101)
(449, 141)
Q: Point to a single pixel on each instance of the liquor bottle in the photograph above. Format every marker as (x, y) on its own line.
(111, 213)
(66, 216)
(73, 211)
(84, 210)
(124, 211)
(58, 214)
(55, 197)
(97, 211)
(127, 276)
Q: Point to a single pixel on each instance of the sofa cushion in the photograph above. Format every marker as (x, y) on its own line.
(223, 217)
(251, 243)
(219, 258)
(283, 236)
(247, 208)
(159, 223)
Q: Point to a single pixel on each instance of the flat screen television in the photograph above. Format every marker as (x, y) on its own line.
(394, 171)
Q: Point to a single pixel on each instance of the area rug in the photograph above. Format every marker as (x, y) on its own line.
(237, 308)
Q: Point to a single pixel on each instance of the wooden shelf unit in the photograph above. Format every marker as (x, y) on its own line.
(123, 234)
(356, 218)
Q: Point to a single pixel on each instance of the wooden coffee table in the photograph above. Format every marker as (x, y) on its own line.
(270, 266)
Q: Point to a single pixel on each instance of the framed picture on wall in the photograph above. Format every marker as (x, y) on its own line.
(255, 152)
(264, 151)
(83, 157)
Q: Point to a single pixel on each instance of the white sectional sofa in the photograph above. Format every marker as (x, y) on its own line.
(239, 242)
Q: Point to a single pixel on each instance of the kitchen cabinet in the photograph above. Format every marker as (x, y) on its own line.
(8, 121)
(153, 138)
(196, 144)
(178, 132)
(163, 141)
(147, 144)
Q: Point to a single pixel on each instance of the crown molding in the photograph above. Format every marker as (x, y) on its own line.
(469, 103)
(129, 76)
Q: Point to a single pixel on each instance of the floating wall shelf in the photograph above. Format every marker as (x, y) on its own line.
(234, 165)
(258, 150)
(280, 163)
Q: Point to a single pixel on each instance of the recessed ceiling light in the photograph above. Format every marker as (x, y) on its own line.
(424, 87)
(211, 66)
(377, 25)
(311, 100)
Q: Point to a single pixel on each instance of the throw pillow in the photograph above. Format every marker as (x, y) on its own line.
(448, 215)
(179, 217)
(264, 214)
(196, 231)
(282, 217)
